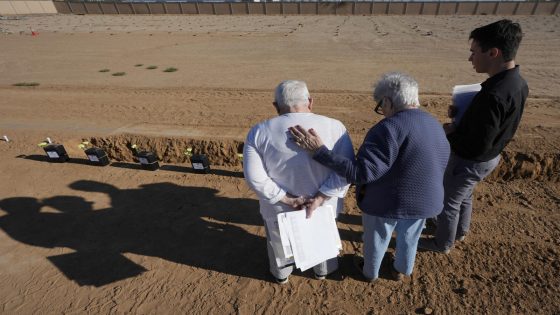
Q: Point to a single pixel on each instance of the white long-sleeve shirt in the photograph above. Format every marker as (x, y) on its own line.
(274, 165)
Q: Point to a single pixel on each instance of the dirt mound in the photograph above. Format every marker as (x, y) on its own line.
(170, 150)
(514, 165)
(520, 165)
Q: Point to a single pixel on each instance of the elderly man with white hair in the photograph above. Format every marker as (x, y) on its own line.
(398, 172)
(285, 177)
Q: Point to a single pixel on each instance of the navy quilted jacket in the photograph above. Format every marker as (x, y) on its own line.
(399, 168)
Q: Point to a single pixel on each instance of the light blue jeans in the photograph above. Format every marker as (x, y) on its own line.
(377, 235)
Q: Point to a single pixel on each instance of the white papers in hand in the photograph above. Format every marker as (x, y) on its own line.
(462, 98)
(312, 240)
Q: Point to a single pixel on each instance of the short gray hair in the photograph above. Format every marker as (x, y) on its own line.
(291, 93)
(400, 88)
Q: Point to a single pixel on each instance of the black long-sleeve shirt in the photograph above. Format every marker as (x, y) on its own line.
(491, 120)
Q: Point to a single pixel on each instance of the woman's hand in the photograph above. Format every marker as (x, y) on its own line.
(308, 140)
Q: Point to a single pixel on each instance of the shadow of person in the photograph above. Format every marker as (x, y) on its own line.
(352, 219)
(353, 231)
(187, 225)
(23, 215)
(91, 263)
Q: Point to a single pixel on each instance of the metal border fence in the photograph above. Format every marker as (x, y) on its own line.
(312, 8)
(27, 7)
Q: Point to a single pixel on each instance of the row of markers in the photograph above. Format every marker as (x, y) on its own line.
(97, 156)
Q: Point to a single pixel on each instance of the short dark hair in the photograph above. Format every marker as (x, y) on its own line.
(504, 35)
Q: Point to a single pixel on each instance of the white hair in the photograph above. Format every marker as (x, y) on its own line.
(291, 93)
(400, 88)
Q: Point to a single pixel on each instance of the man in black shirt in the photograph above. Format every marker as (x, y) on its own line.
(485, 129)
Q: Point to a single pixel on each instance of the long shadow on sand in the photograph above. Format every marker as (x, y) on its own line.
(44, 158)
(187, 225)
(137, 166)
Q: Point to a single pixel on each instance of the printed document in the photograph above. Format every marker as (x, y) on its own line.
(312, 240)
(280, 244)
(462, 98)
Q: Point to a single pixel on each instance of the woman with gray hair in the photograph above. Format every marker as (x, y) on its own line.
(398, 171)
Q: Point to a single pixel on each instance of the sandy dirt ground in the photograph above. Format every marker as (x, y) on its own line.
(76, 238)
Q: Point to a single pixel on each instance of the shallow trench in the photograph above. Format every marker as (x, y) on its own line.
(514, 165)
(170, 150)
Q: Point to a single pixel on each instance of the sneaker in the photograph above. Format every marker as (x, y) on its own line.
(320, 277)
(281, 281)
(460, 238)
(358, 261)
(429, 244)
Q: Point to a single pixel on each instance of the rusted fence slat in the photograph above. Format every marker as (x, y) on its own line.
(535, 8)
